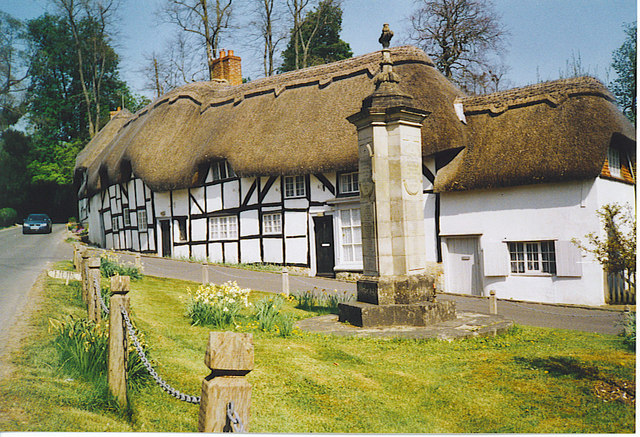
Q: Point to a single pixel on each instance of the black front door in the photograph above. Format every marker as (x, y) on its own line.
(325, 261)
(165, 232)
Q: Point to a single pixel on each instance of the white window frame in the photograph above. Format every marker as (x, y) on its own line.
(348, 183)
(221, 170)
(142, 220)
(614, 159)
(223, 227)
(350, 235)
(295, 186)
(272, 223)
(532, 258)
(126, 217)
(114, 224)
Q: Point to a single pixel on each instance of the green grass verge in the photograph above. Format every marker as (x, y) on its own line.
(531, 380)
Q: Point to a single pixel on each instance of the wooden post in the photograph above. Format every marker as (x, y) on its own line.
(84, 260)
(205, 274)
(76, 264)
(138, 261)
(92, 296)
(285, 281)
(493, 302)
(230, 357)
(117, 366)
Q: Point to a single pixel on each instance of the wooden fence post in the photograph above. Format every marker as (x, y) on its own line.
(84, 260)
(230, 357)
(75, 257)
(92, 295)
(285, 281)
(493, 302)
(205, 274)
(117, 366)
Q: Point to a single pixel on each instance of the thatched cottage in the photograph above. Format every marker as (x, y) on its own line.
(266, 172)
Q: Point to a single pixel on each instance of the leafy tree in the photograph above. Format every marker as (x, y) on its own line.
(317, 40)
(460, 36)
(14, 178)
(624, 63)
(616, 249)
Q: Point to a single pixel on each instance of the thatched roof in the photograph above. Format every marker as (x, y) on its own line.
(296, 123)
(293, 123)
(548, 132)
(102, 139)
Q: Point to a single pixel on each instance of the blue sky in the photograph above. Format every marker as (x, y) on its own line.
(544, 34)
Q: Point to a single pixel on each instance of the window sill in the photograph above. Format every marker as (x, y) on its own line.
(539, 275)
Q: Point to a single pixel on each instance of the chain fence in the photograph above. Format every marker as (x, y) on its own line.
(143, 357)
(234, 423)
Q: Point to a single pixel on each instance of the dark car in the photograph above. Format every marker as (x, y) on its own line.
(36, 223)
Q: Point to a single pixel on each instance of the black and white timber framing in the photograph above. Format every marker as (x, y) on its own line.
(233, 219)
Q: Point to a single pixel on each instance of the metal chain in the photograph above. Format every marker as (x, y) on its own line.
(233, 420)
(99, 291)
(166, 387)
(559, 314)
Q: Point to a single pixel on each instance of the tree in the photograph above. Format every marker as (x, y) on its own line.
(94, 57)
(57, 106)
(204, 20)
(266, 25)
(624, 64)
(173, 67)
(317, 39)
(616, 250)
(13, 70)
(460, 36)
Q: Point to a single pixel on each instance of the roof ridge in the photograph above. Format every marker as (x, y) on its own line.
(553, 92)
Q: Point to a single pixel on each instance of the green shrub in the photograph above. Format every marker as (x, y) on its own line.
(216, 305)
(82, 348)
(629, 334)
(110, 266)
(8, 217)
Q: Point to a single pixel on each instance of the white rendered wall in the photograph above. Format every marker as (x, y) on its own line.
(559, 211)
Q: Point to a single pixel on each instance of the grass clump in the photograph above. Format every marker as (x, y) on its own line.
(110, 265)
(321, 301)
(82, 348)
(217, 306)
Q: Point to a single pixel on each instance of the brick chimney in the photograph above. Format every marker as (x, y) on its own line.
(114, 113)
(227, 67)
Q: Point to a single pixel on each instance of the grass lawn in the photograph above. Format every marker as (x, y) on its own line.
(531, 380)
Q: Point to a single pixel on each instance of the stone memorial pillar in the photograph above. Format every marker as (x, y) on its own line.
(394, 289)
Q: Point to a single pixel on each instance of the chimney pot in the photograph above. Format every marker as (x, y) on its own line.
(222, 53)
(230, 53)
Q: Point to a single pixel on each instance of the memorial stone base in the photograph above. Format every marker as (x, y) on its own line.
(396, 301)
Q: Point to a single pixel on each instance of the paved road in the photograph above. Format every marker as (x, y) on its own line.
(22, 259)
(596, 320)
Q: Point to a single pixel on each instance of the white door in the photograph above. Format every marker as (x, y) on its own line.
(464, 267)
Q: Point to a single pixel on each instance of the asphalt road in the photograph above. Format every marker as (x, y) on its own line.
(22, 259)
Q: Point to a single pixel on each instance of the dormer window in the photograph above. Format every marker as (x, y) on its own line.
(613, 158)
(221, 170)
